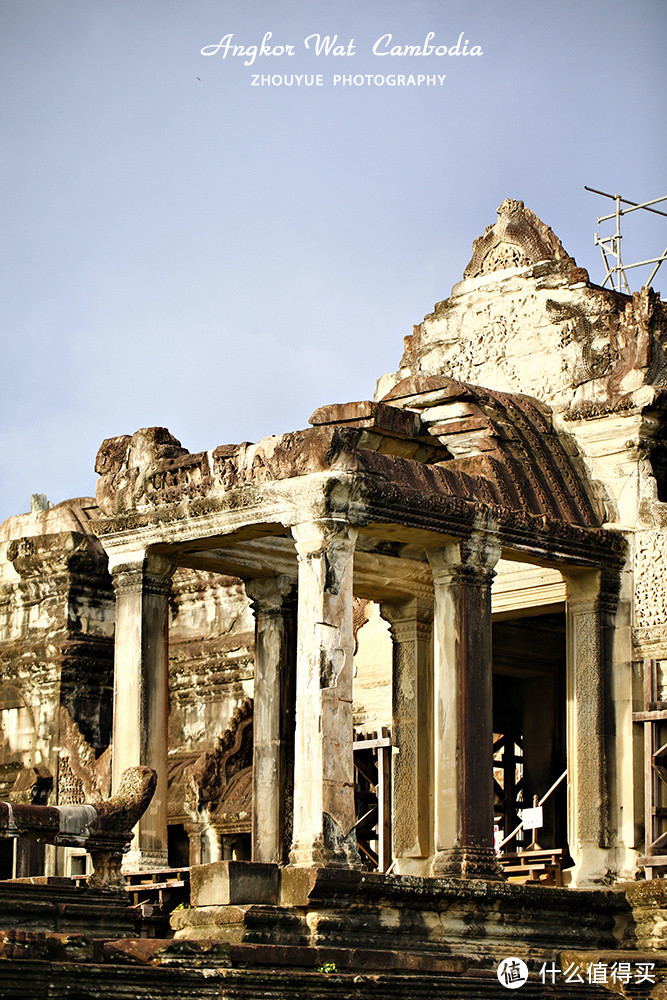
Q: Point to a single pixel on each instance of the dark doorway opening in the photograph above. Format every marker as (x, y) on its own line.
(178, 846)
(529, 658)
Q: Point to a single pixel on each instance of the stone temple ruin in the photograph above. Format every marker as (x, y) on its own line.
(356, 654)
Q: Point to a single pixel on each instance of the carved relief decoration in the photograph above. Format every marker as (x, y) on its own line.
(543, 336)
(361, 614)
(518, 238)
(82, 777)
(650, 579)
(504, 255)
(216, 786)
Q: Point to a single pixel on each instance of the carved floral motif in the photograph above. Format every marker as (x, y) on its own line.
(650, 579)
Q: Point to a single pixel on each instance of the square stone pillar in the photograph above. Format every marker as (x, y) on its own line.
(274, 605)
(590, 615)
(411, 626)
(324, 811)
(463, 805)
(141, 691)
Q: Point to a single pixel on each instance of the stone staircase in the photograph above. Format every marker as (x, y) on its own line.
(66, 942)
(69, 967)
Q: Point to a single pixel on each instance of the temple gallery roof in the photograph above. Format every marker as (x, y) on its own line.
(435, 457)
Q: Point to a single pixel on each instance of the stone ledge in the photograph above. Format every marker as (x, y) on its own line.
(364, 959)
(68, 909)
(42, 966)
(474, 921)
(648, 900)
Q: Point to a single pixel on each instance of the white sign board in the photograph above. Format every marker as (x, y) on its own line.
(532, 818)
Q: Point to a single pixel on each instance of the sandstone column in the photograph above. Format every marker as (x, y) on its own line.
(463, 806)
(141, 690)
(411, 625)
(589, 624)
(324, 813)
(274, 604)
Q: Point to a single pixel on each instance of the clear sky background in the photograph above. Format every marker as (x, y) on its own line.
(183, 249)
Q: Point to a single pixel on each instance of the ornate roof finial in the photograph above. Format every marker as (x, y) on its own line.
(518, 239)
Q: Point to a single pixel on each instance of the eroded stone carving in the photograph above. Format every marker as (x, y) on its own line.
(83, 776)
(549, 332)
(517, 239)
(207, 779)
(650, 579)
(103, 829)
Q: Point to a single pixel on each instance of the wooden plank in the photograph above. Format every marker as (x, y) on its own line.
(371, 744)
(150, 887)
(555, 853)
(365, 771)
(657, 844)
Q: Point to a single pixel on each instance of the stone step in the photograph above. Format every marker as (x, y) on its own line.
(57, 905)
(57, 966)
(41, 981)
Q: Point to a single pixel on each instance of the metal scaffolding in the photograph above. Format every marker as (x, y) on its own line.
(610, 246)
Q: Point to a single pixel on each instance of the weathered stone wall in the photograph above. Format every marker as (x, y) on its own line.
(56, 639)
(57, 612)
(372, 672)
(211, 640)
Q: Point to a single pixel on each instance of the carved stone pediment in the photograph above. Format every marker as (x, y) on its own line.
(219, 781)
(518, 239)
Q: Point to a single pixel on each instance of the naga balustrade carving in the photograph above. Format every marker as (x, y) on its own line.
(104, 829)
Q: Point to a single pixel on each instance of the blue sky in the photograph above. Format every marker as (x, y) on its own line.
(182, 248)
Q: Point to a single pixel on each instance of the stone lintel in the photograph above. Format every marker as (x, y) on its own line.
(379, 416)
(393, 430)
(391, 494)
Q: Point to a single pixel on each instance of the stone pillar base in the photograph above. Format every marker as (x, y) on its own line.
(376, 915)
(594, 866)
(345, 854)
(412, 866)
(236, 883)
(467, 863)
